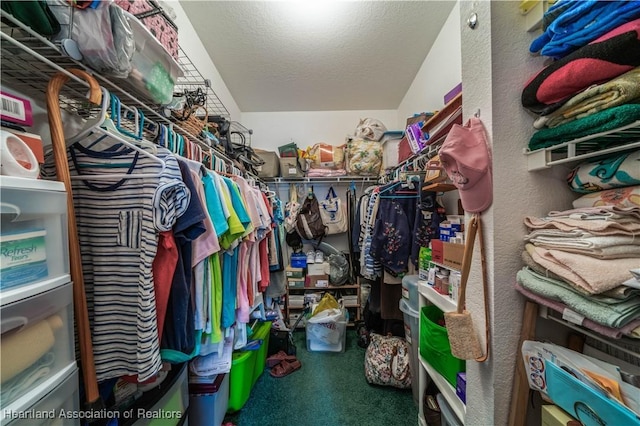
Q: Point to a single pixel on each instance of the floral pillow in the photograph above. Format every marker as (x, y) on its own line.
(621, 197)
(610, 172)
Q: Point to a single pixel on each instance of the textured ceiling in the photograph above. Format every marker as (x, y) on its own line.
(317, 55)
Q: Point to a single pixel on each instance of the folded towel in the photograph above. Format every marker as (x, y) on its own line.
(594, 227)
(630, 329)
(607, 57)
(598, 246)
(611, 315)
(621, 90)
(603, 121)
(619, 293)
(614, 212)
(580, 22)
(627, 197)
(593, 275)
(604, 253)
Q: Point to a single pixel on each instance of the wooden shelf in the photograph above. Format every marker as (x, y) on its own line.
(444, 266)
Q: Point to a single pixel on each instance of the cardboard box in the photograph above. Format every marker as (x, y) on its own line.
(296, 283)
(437, 251)
(289, 167)
(292, 272)
(317, 268)
(318, 281)
(452, 255)
(552, 415)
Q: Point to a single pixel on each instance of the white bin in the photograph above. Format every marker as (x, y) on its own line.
(412, 335)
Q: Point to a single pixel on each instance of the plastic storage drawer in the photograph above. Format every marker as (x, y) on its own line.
(37, 341)
(33, 231)
(53, 402)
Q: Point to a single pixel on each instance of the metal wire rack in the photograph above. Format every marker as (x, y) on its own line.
(30, 60)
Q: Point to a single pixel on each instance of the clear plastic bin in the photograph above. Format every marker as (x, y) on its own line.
(412, 335)
(208, 402)
(33, 216)
(37, 340)
(326, 336)
(57, 400)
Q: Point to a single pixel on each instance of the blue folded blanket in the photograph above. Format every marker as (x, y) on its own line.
(579, 22)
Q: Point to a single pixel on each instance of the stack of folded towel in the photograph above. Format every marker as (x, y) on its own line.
(592, 86)
(581, 261)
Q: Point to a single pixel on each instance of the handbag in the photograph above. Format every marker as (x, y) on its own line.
(291, 210)
(333, 213)
(309, 222)
(386, 361)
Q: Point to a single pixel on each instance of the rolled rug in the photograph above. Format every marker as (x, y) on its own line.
(605, 58)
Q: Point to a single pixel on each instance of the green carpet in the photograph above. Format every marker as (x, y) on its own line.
(329, 390)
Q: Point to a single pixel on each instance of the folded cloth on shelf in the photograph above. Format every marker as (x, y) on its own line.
(622, 292)
(632, 329)
(627, 197)
(593, 275)
(594, 227)
(326, 172)
(597, 246)
(614, 171)
(621, 90)
(603, 121)
(27, 379)
(600, 212)
(579, 22)
(611, 315)
(605, 58)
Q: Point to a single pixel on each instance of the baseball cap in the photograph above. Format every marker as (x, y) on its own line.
(465, 156)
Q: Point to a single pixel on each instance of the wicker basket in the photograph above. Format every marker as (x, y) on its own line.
(194, 123)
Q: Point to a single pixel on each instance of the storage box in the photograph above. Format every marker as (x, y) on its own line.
(435, 347)
(241, 379)
(326, 337)
(57, 394)
(271, 166)
(296, 283)
(437, 251)
(154, 71)
(37, 339)
(412, 336)
(317, 268)
(289, 150)
(410, 291)
(447, 416)
(261, 332)
(452, 255)
(292, 272)
(318, 280)
(29, 205)
(23, 258)
(461, 387)
(298, 260)
(208, 401)
(296, 301)
(552, 415)
(390, 144)
(289, 167)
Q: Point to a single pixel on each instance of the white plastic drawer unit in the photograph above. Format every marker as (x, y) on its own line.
(37, 340)
(33, 231)
(54, 402)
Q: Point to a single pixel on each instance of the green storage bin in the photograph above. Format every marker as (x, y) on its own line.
(241, 378)
(261, 331)
(434, 345)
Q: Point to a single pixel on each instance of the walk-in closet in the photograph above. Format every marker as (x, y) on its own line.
(219, 213)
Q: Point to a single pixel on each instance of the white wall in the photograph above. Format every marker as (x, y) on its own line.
(440, 72)
(193, 47)
(306, 128)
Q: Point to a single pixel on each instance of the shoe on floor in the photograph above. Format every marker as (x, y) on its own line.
(277, 358)
(285, 368)
(311, 257)
(319, 258)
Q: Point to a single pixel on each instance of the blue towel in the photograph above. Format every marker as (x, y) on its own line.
(581, 22)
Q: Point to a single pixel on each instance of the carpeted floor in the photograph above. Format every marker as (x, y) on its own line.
(329, 390)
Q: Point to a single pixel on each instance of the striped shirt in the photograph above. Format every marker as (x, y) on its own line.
(118, 221)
